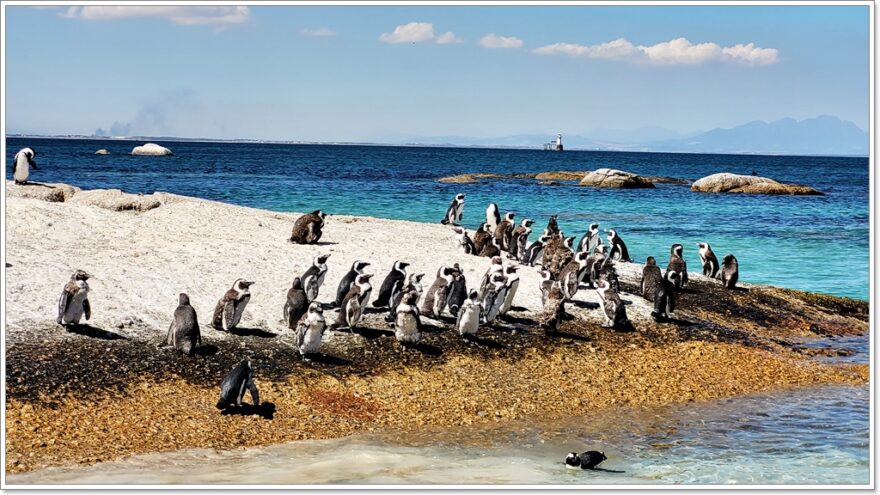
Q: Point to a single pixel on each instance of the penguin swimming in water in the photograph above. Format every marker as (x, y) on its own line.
(504, 231)
(455, 211)
(678, 265)
(348, 280)
(407, 322)
(296, 304)
(709, 260)
(587, 460)
(519, 238)
(313, 278)
(308, 228)
(468, 321)
(227, 313)
(392, 284)
(493, 218)
(590, 240)
(309, 331)
(618, 252)
(664, 298)
(464, 241)
(22, 162)
(651, 279)
(612, 307)
(74, 301)
(729, 271)
(234, 385)
(352, 308)
(184, 334)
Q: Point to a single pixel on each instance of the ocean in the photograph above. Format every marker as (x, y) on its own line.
(814, 243)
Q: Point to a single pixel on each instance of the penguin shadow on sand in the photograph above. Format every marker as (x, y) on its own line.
(424, 348)
(94, 332)
(265, 410)
(429, 327)
(559, 334)
(604, 470)
(517, 320)
(371, 334)
(327, 360)
(206, 350)
(588, 305)
(483, 342)
(36, 184)
(252, 332)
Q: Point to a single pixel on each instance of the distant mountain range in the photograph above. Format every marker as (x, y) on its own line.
(823, 135)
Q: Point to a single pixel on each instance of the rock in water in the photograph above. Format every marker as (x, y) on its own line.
(102, 152)
(748, 184)
(615, 179)
(151, 149)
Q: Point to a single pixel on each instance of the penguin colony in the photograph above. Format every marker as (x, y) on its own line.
(565, 269)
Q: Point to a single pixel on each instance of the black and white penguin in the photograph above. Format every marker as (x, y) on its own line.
(464, 241)
(608, 272)
(545, 285)
(392, 284)
(310, 330)
(519, 238)
(482, 237)
(493, 297)
(587, 460)
(618, 252)
(553, 310)
(455, 211)
(496, 265)
(457, 292)
(504, 231)
(184, 334)
(352, 308)
(296, 304)
(678, 265)
(535, 252)
(413, 282)
(436, 295)
(709, 260)
(234, 385)
(594, 262)
(491, 249)
(22, 162)
(493, 218)
(313, 278)
(468, 321)
(729, 271)
(613, 310)
(74, 301)
(590, 240)
(407, 323)
(510, 288)
(348, 280)
(570, 276)
(651, 279)
(308, 228)
(664, 298)
(227, 313)
(552, 226)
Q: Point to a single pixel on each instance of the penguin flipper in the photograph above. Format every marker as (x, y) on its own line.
(255, 394)
(63, 302)
(87, 309)
(228, 313)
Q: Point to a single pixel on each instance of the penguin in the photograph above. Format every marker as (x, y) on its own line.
(664, 298)
(651, 279)
(309, 330)
(435, 297)
(552, 226)
(612, 307)
(413, 282)
(234, 385)
(455, 211)
(313, 278)
(729, 271)
(296, 304)
(352, 308)
(348, 280)
(557, 254)
(590, 240)
(588, 460)
(468, 321)
(22, 162)
(573, 460)
(510, 289)
(709, 260)
(594, 262)
(608, 272)
(74, 301)
(535, 252)
(678, 265)
(618, 252)
(308, 228)
(496, 266)
(184, 334)
(519, 238)
(545, 285)
(464, 241)
(482, 236)
(227, 313)
(491, 249)
(570, 276)
(457, 292)
(493, 218)
(392, 284)
(407, 322)
(553, 310)
(504, 230)
(493, 297)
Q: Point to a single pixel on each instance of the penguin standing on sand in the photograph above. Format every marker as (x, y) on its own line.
(74, 301)
(455, 211)
(482, 236)
(651, 279)
(493, 218)
(464, 241)
(392, 284)
(234, 385)
(504, 231)
(618, 252)
(296, 304)
(519, 238)
(457, 292)
(664, 298)
(348, 281)
(590, 240)
(184, 334)
(553, 310)
(493, 297)
(491, 249)
(310, 330)
(552, 226)
(227, 313)
(535, 252)
(407, 322)
(709, 260)
(510, 289)
(468, 321)
(570, 276)
(677, 265)
(436, 295)
(412, 283)
(352, 308)
(308, 228)
(496, 266)
(22, 162)
(313, 278)
(730, 271)
(545, 285)
(612, 307)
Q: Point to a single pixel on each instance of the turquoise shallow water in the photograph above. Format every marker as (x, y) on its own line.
(811, 243)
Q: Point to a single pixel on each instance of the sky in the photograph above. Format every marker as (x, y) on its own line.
(390, 73)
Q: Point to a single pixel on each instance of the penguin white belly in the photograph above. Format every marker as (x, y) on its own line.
(405, 327)
(439, 302)
(496, 305)
(312, 340)
(236, 315)
(74, 311)
(508, 298)
(22, 169)
(470, 320)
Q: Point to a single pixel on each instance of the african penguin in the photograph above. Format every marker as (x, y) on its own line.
(413, 283)
(457, 292)
(729, 271)
(504, 230)
(545, 285)
(496, 266)
(570, 276)
(678, 265)
(407, 322)
(535, 252)
(618, 252)
(493, 218)
(552, 226)
(553, 310)
(493, 297)
(482, 236)
(519, 238)
(392, 284)
(348, 280)
(74, 301)
(234, 385)
(227, 313)
(184, 334)
(710, 262)
(296, 304)
(587, 460)
(510, 289)
(309, 330)
(664, 298)
(455, 211)
(590, 240)
(464, 241)
(308, 228)
(468, 321)
(435, 296)
(651, 279)
(313, 278)
(352, 308)
(612, 307)
(22, 162)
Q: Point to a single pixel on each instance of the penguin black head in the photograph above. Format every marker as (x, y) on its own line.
(511, 269)
(651, 261)
(400, 265)
(364, 278)
(474, 295)
(677, 250)
(460, 197)
(316, 308)
(297, 283)
(528, 222)
(594, 226)
(418, 277)
(509, 216)
(545, 275)
(611, 233)
(582, 256)
(730, 260)
(183, 299)
(243, 284)
(320, 214)
(80, 275)
(568, 241)
(497, 260)
(573, 459)
(703, 245)
(320, 260)
(359, 265)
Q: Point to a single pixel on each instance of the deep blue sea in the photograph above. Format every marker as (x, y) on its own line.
(811, 243)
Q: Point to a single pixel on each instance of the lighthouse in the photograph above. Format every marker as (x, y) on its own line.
(558, 142)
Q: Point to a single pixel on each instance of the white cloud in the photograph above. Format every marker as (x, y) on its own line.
(495, 41)
(446, 38)
(414, 32)
(678, 51)
(186, 16)
(320, 32)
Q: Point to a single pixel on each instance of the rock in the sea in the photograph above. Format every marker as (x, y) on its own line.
(616, 179)
(102, 151)
(151, 149)
(560, 175)
(469, 178)
(53, 193)
(748, 184)
(116, 200)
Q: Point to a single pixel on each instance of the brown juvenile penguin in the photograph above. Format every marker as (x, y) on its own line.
(308, 228)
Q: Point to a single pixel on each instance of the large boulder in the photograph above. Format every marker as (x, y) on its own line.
(559, 175)
(151, 149)
(615, 179)
(748, 184)
(53, 193)
(116, 200)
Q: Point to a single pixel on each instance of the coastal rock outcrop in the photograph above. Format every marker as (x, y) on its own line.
(116, 200)
(53, 193)
(102, 151)
(615, 179)
(151, 149)
(749, 184)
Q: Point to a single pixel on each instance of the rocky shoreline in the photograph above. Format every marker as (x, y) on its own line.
(109, 390)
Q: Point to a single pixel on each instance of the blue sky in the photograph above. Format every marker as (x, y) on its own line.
(344, 73)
